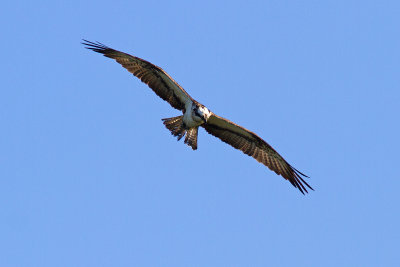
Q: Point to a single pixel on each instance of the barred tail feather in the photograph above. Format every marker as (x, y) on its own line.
(175, 125)
(191, 137)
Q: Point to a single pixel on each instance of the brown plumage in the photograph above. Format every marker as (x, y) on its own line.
(252, 145)
(238, 137)
(155, 77)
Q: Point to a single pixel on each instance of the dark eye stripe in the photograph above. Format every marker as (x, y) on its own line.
(197, 113)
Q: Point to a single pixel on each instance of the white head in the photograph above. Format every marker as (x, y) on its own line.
(201, 112)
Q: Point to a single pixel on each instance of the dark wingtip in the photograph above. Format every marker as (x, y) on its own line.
(298, 181)
(95, 46)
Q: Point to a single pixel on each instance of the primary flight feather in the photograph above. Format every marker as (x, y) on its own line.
(196, 115)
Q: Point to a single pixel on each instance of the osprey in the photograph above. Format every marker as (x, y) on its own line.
(196, 115)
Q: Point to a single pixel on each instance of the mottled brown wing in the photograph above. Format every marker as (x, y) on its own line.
(155, 77)
(252, 145)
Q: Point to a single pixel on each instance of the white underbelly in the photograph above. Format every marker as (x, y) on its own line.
(189, 120)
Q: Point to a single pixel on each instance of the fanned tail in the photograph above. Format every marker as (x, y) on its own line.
(175, 125)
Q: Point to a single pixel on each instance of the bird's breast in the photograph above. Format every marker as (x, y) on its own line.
(190, 120)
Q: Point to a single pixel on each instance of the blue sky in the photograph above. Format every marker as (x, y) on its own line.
(90, 176)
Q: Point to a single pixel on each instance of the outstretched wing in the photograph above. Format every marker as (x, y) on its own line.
(155, 77)
(252, 145)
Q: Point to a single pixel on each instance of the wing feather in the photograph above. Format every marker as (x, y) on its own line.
(252, 145)
(155, 77)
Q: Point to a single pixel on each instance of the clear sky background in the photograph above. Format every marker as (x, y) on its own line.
(90, 176)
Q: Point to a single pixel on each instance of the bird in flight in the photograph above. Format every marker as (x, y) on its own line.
(195, 115)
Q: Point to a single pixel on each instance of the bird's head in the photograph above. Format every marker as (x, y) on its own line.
(201, 112)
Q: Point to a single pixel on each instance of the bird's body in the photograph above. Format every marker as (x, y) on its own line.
(195, 115)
